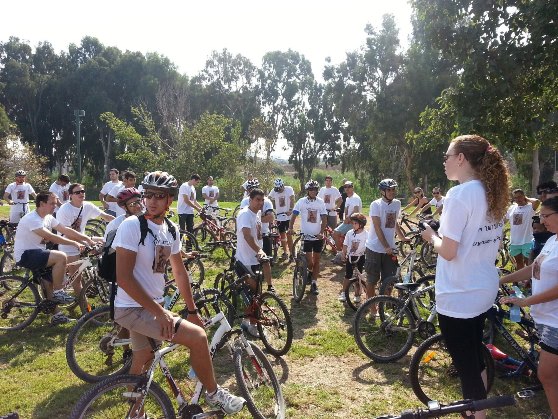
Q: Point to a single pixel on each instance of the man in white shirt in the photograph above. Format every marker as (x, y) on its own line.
(437, 201)
(381, 261)
(17, 195)
(210, 194)
(60, 189)
(332, 199)
(128, 181)
(32, 234)
(187, 203)
(110, 207)
(520, 214)
(140, 273)
(283, 200)
(313, 221)
(353, 205)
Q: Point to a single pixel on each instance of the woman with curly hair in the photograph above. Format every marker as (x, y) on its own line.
(469, 237)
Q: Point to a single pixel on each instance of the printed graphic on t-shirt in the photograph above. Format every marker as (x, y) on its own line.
(327, 199)
(76, 225)
(537, 266)
(390, 220)
(312, 216)
(162, 254)
(65, 196)
(20, 194)
(354, 246)
(517, 219)
(211, 194)
(259, 230)
(191, 195)
(281, 201)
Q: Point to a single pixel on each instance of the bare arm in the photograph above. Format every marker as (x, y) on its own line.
(268, 217)
(251, 242)
(535, 202)
(445, 247)
(110, 198)
(193, 204)
(183, 282)
(7, 198)
(74, 235)
(54, 238)
(106, 217)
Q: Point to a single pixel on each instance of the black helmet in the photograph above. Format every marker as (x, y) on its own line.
(386, 184)
(160, 180)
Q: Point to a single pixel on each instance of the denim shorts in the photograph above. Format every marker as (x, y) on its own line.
(548, 338)
(34, 259)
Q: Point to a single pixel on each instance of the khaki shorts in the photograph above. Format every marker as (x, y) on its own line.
(141, 324)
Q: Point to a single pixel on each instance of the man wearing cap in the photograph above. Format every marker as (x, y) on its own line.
(353, 204)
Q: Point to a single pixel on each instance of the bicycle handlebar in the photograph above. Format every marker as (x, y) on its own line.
(435, 410)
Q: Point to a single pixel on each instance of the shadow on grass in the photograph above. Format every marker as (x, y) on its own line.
(304, 314)
(60, 403)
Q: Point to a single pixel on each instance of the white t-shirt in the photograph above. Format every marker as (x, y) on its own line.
(244, 185)
(467, 285)
(107, 188)
(118, 210)
(388, 213)
(355, 242)
(60, 191)
(245, 202)
(282, 202)
(311, 212)
(67, 215)
(114, 224)
(351, 203)
(267, 207)
(190, 191)
(151, 258)
(210, 192)
(521, 230)
(545, 277)
(248, 219)
(437, 203)
(26, 239)
(329, 196)
(19, 194)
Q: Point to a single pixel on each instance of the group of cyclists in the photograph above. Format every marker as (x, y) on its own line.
(62, 213)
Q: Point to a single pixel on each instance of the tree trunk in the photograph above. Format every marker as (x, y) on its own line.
(409, 169)
(536, 172)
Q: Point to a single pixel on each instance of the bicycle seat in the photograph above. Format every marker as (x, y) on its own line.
(410, 286)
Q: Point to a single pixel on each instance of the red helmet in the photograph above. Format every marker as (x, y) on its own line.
(126, 194)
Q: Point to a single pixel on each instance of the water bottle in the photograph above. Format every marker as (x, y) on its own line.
(515, 312)
(192, 374)
(167, 299)
(407, 278)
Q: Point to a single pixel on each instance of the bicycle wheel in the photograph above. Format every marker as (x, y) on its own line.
(274, 324)
(258, 384)
(196, 270)
(9, 267)
(355, 294)
(121, 397)
(94, 293)
(230, 243)
(389, 336)
(19, 302)
(299, 277)
(387, 287)
(188, 241)
(427, 255)
(432, 374)
(405, 247)
(230, 224)
(96, 346)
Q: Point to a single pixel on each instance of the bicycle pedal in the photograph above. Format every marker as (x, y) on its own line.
(525, 394)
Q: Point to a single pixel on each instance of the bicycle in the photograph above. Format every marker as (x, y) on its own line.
(436, 409)
(391, 338)
(133, 396)
(301, 276)
(23, 298)
(266, 309)
(217, 235)
(355, 293)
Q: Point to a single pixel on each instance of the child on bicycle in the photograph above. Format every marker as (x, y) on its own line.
(353, 250)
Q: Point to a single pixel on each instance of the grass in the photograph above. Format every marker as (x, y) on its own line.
(324, 375)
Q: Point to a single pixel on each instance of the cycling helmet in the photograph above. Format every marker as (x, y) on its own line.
(386, 184)
(126, 194)
(252, 184)
(278, 184)
(359, 218)
(160, 180)
(312, 184)
(21, 173)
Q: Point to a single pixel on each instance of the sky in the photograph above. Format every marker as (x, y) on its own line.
(187, 32)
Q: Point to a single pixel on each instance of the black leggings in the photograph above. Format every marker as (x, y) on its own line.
(463, 339)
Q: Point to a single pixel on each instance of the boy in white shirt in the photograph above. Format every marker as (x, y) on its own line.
(353, 250)
(283, 200)
(520, 214)
(210, 194)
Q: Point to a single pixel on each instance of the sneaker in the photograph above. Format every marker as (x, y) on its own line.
(309, 277)
(250, 328)
(270, 288)
(314, 288)
(60, 318)
(62, 297)
(342, 297)
(224, 400)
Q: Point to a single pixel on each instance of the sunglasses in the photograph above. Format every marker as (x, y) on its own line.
(447, 156)
(158, 196)
(436, 193)
(78, 192)
(134, 203)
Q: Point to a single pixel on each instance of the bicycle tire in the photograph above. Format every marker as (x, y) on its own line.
(299, 278)
(380, 338)
(432, 374)
(94, 293)
(188, 241)
(196, 271)
(274, 324)
(8, 265)
(258, 384)
(230, 243)
(17, 312)
(230, 224)
(427, 255)
(157, 403)
(355, 294)
(90, 353)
